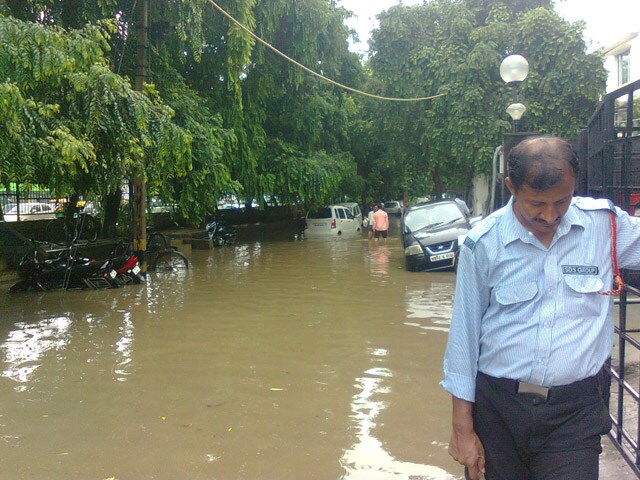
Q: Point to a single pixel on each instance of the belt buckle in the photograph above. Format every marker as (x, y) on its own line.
(535, 389)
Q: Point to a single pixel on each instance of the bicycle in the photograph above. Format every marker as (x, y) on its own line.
(156, 241)
(163, 258)
(63, 231)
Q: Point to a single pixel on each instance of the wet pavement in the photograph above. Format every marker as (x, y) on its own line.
(276, 358)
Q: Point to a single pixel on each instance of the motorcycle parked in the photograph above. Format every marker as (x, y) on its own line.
(221, 234)
(67, 271)
(122, 268)
(63, 271)
(125, 266)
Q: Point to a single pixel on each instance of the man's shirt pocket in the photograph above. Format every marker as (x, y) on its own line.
(515, 299)
(579, 293)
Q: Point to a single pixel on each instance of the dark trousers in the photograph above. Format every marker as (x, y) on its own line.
(526, 437)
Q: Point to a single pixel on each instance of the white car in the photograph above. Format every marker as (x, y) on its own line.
(30, 211)
(331, 221)
(393, 207)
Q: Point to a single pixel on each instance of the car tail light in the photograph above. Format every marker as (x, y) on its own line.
(333, 224)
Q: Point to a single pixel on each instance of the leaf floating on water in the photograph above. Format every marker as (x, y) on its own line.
(275, 389)
(163, 418)
(63, 453)
(229, 429)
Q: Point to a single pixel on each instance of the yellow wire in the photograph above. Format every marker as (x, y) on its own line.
(312, 72)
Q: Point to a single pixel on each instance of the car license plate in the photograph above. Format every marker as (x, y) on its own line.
(442, 256)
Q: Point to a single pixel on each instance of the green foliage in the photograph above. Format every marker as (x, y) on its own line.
(455, 47)
(564, 84)
(77, 127)
(39, 65)
(226, 114)
(195, 189)
(309, 179)
(218, 99)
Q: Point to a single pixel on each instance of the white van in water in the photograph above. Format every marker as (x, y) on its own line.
(334, 220)
(356, 211)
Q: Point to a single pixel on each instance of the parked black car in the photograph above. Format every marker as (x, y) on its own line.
(431, 232)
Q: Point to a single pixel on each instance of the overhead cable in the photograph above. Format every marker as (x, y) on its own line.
(312, 72)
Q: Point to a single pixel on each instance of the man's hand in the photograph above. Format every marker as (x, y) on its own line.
(465, 447)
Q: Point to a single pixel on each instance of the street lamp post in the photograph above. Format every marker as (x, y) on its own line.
(515, 111)
(514, 70)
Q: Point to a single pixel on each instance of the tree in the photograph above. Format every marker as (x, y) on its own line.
(455, 47)
(235, 100)
(283, 109)
(102, 129)
(75, 126)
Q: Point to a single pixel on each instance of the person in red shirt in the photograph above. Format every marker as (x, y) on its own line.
(380, 222)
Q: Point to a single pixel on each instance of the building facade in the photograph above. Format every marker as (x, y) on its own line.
(622, 61)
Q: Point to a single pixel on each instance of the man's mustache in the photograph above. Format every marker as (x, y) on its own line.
(544, 222)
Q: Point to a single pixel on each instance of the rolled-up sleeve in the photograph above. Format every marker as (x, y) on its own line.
(471, 300)
(628, 236)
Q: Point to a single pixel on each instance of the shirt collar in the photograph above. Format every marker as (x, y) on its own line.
(513, 230)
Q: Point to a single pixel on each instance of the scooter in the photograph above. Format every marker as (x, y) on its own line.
(220, 234)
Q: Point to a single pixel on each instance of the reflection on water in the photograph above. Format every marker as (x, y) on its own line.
(429, 308)
(367, 459)
(379, 259)
(25, 346)
(269, 359)
(124, 348)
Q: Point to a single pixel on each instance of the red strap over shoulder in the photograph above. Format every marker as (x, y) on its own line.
(617, 279)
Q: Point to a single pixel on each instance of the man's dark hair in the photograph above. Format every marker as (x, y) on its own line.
(534, 161)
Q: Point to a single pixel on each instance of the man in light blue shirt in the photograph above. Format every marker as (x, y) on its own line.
(532, 325)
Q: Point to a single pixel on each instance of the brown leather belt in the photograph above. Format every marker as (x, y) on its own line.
(552, 395)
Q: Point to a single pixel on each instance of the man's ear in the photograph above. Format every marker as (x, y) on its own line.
(507, 182)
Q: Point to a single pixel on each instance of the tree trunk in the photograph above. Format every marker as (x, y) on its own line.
(72, 206)
(437, 182)
(111, 207)
(138, 191)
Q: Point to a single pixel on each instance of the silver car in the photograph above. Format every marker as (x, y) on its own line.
(30, 211)
(394, 207)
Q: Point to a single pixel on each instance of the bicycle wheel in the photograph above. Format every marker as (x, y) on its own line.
(61, 231)
(157, 242)
(87, 228)
(169, 261)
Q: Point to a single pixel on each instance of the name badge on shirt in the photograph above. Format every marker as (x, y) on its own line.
(580, 270)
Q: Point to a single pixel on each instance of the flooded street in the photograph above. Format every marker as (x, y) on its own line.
(275, 358)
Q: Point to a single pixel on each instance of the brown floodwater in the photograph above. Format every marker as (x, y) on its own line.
(276, 358)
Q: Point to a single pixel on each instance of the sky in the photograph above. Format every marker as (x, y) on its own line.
(607, 20)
